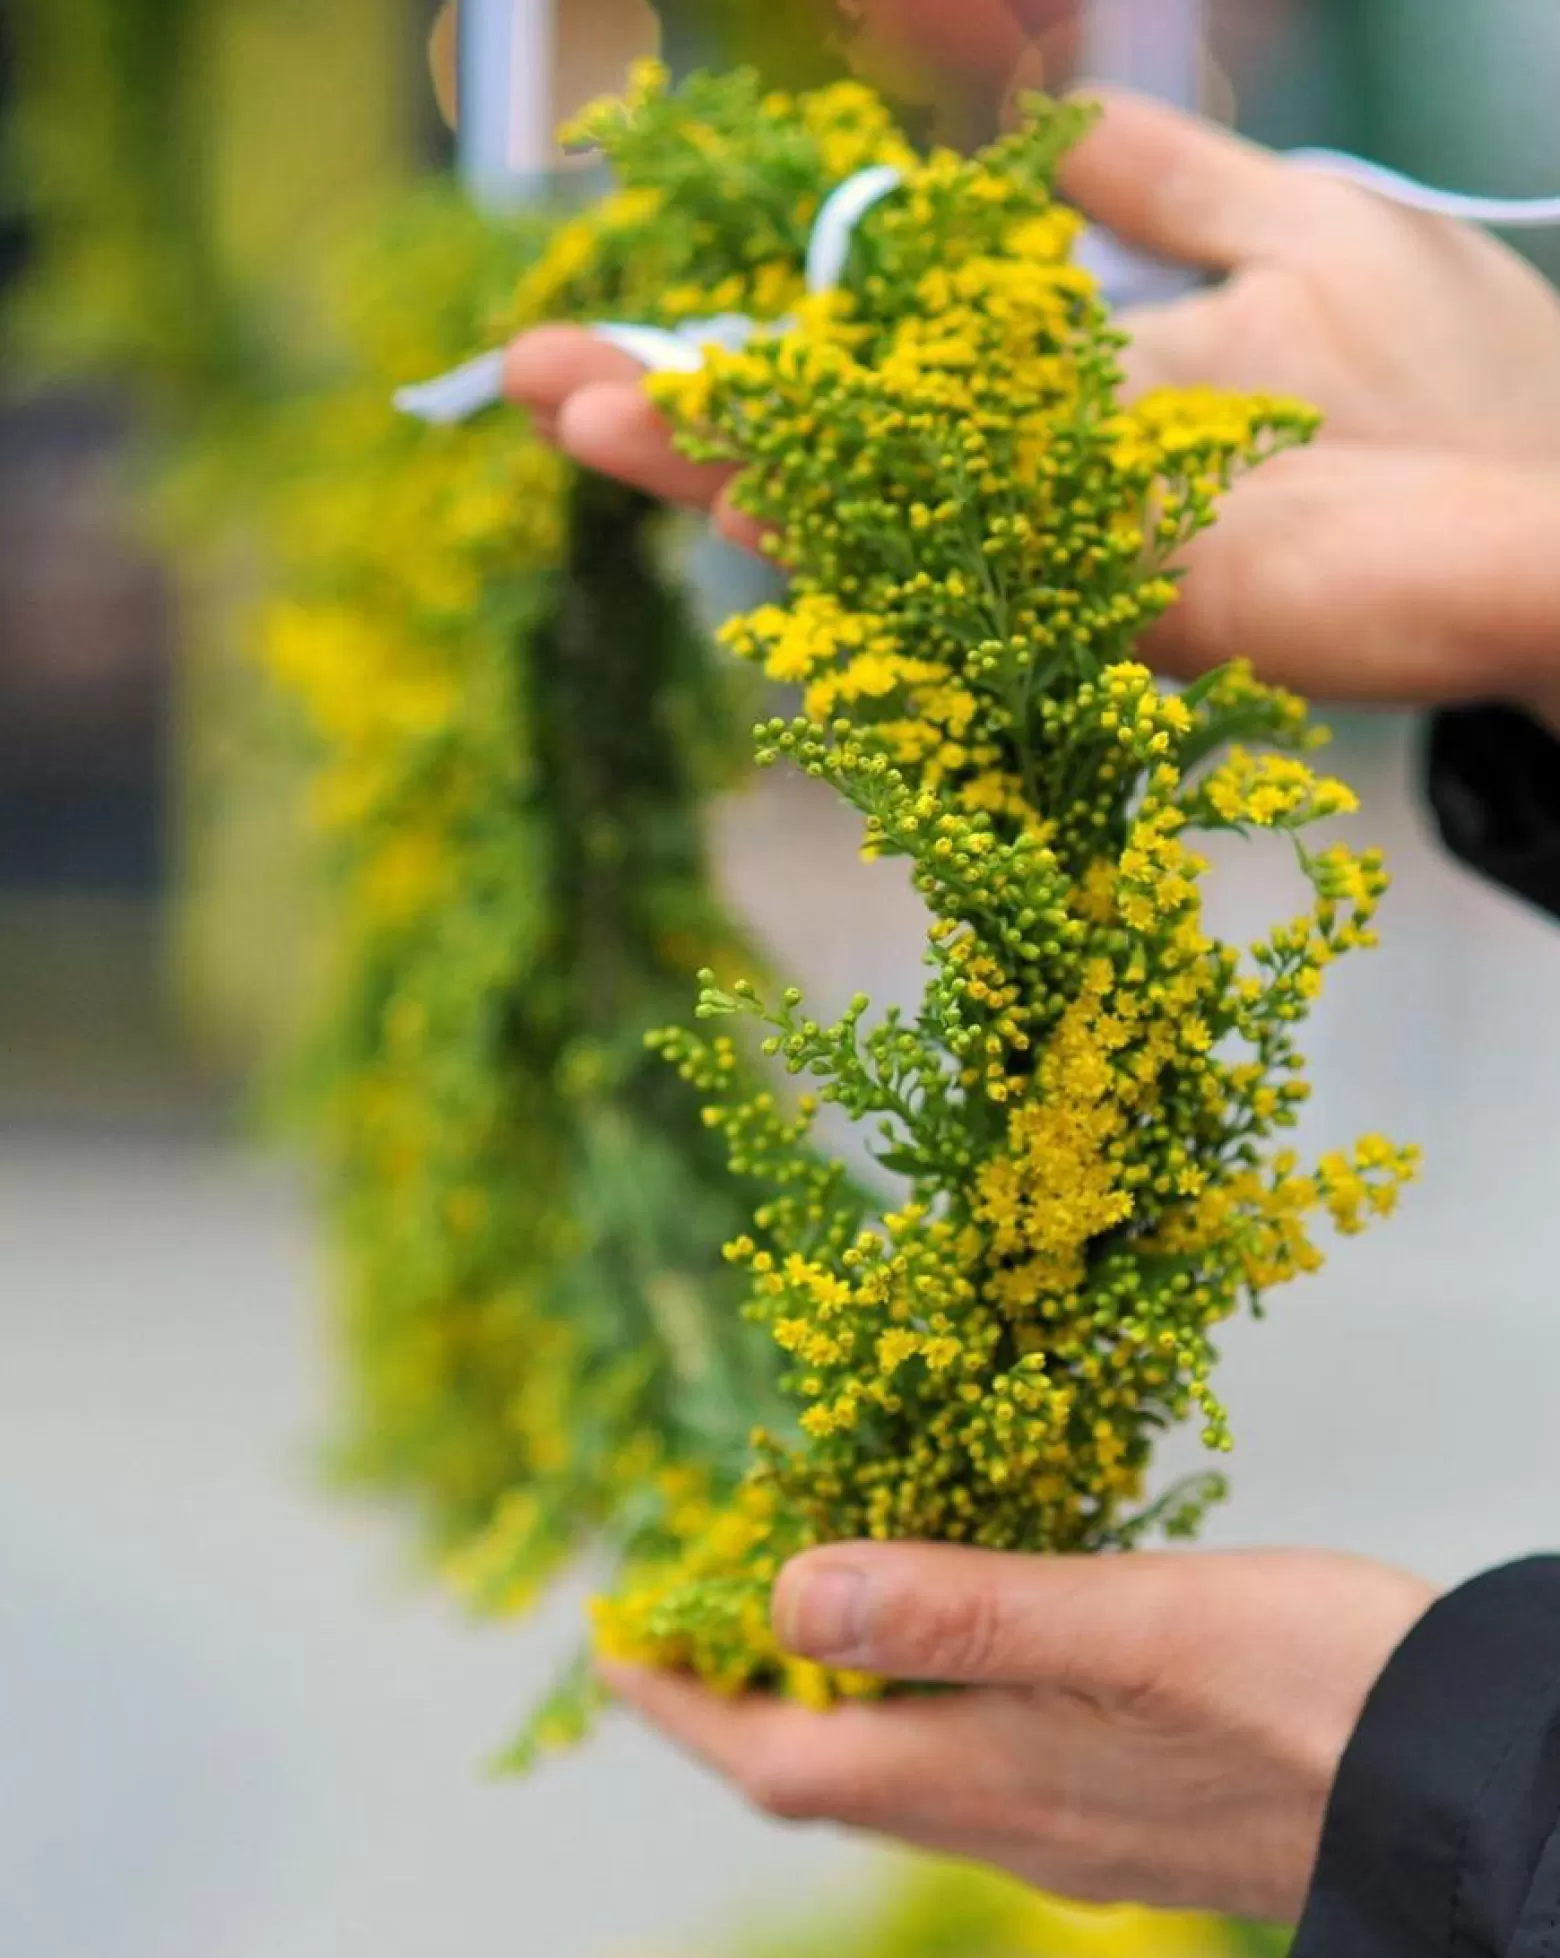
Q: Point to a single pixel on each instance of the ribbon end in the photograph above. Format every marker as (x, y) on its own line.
(655, 348)
(456, 396)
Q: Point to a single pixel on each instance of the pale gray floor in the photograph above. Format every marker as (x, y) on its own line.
(229, 1728)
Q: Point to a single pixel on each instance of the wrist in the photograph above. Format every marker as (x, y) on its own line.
(1542, 702)
(1540, 696)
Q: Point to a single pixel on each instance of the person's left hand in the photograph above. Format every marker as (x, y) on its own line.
(1152, 1729)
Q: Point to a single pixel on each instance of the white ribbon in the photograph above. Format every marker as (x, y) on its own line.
(679, 350)
(479, 383)
(835, 232)
(456, 396)
(468, 390)
(1507, 213)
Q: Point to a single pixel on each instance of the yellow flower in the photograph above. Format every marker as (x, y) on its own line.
(1087, 1104)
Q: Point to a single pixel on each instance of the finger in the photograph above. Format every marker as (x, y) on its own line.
(1175, 185)
(892, 1769)
(543, 368)
(943, 1614)
(1301, 574)
(721, 1732)
(615, 430)
(1356, 574)
(1179, 345)
(739, 528)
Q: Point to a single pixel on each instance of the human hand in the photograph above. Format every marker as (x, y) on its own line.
(1409, 557)
(1404, 329)
(1155, 1729)
(1403, 557)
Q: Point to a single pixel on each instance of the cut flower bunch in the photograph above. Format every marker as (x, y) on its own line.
(1085, 1118)
(1087, 1105)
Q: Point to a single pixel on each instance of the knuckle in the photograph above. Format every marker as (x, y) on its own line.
(1332, 221)
(1066, 1834)
(1274, 306)
(815, 1777)
(960, 1636)
(1156, 1670)
(785, 1789)
(1144, 1699)
(1133, 1670)
(1184, 200)
(1081, 1853)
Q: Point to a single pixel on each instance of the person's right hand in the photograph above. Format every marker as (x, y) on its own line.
(1405, 555)
(1159, 1728)
(1405, 330)
(1411, 556)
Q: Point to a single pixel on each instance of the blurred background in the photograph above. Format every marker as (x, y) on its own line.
(232, 1723)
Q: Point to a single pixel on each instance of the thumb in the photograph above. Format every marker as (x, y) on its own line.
(941, 1614)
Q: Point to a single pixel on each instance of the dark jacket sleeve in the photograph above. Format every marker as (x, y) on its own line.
(1495, 788)
(1443, 1836)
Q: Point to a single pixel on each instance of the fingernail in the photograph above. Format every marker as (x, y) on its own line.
(821, 1614)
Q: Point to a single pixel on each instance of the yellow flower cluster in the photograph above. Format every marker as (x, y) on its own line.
(977, 534)
(1080, 1124)
(390, 548)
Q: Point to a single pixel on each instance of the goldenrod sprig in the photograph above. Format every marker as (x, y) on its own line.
(600, 1294)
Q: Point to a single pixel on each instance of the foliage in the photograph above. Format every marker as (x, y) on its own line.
(516, 727)
(106, 159)
(1087, 1108)
(939, 1910)
(795, 46)
(183, 184)
(1086, 1113)
(187, 171)
(515, 732)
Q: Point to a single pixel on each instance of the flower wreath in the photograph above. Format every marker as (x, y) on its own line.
(605, 1293)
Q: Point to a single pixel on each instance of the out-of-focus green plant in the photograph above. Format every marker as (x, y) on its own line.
(796, 45)
(940, 1910)
(516, 728)
(108, 164)
(190, 172)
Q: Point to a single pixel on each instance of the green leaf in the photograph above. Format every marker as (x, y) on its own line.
(1259, 1941)
(570, 1711)
(1199, 690)
(903, 1161)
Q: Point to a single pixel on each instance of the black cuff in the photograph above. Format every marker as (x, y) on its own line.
(1495, 789)
(1441, 1837)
